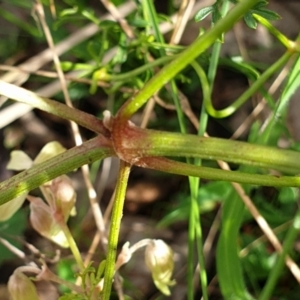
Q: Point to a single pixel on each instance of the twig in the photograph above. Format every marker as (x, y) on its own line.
(182, 19)
(118, 17)
(75, 129)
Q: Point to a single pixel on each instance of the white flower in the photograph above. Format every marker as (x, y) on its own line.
(159, 259)
(59, 194)
(21, 161)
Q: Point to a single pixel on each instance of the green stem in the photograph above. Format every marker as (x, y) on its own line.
(195, 209)
(90, 151)
(280, 36)
(216, 49)
(279, 114)
(175, 167)
(129, 75)
(58, 109)
(223, 113)
(191, 240)
(151, 15)
(195, 230)
(73, 246)
(115, 228)
(182, 60)
(139, 142)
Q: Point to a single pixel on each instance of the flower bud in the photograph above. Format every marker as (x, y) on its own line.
(159, 259)
(21, 287)
(42, 220)
(63, 196)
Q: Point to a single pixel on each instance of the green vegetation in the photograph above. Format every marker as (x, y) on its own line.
(132, 62)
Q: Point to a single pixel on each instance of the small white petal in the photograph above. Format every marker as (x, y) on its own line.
(42, 221)
(19, 161)
(59, 238)
(48, 151)
(9, 208)
(159, 259)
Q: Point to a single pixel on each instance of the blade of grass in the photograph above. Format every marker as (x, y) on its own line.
(229, 269)
(291, 86)
(279, 264)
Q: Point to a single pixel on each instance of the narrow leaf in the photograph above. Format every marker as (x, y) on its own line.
(203, 13)
(268, 14)
(216, 15)
(250, 21)
(260, 4)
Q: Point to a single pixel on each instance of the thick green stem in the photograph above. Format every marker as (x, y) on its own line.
(115, 228)
(133, 143)
(90, 151)
(139, 143)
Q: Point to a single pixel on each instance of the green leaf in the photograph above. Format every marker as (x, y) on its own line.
(250, 21)
(122, 50)
(68, 12)
(293, 82)
(203, 13)
(70, 66)
(90, 15)
(100, 270)
(259, 9)
(260, 5)
(267, 14)
(138, 22)
(229, 269)
(288, 195)
(216, 15)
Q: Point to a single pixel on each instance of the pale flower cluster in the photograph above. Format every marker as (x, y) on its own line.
(59, 194)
